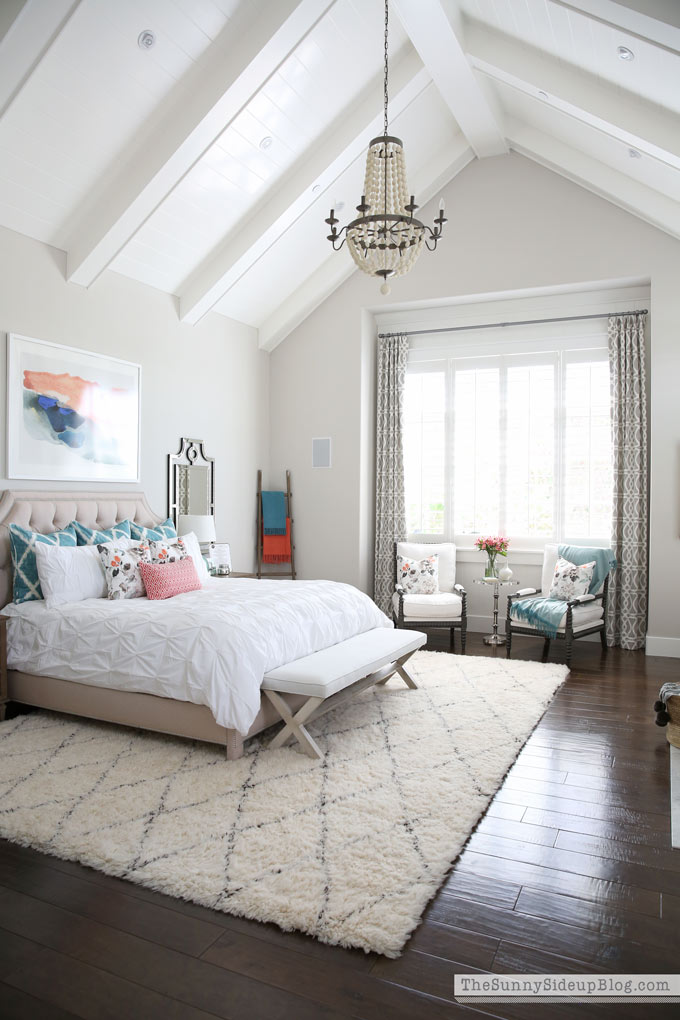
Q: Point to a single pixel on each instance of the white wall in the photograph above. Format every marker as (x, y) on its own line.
(209, 381)
(512, 225)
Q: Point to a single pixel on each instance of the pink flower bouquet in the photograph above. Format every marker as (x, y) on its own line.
(493, 546)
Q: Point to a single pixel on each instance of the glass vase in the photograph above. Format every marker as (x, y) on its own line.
(491, 570)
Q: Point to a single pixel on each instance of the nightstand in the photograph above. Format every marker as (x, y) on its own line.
(3, 666)
(234, 573)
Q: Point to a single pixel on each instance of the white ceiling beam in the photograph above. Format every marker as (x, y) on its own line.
(434, 37)
(344, 141)
(656, 21)
(254, 43)
(627, 117)
(427, 183)
(28, 38)
(636, 198)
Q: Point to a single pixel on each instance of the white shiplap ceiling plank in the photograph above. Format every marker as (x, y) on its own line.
(28, 39)
(435, 39)
(343, 142)
(635, 121)
(640, 19)
(206, 99)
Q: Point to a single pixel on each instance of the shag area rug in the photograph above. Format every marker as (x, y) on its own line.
(348, 849)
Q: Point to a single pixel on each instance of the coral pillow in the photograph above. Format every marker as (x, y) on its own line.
(165, 580)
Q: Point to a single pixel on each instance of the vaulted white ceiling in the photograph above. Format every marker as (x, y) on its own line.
(206, 165)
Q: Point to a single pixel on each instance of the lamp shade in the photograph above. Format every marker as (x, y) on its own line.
(202, 525)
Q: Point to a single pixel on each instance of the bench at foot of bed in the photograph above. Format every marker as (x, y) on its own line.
(334, 675)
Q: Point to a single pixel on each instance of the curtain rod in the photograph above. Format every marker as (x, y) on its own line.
(521, 322)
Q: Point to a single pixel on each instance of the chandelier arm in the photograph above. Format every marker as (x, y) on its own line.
(338, 235)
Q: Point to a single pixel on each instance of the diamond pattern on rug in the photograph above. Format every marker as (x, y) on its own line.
(349, 849)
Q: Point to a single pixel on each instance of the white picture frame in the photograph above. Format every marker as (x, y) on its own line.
(95, 440)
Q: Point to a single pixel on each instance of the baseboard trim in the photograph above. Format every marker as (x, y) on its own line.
(669, 647)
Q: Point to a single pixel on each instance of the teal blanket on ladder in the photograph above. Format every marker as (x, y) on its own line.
(274, 513)
(546, 614)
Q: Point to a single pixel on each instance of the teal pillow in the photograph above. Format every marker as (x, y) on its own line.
(156, 534)
(92, 536)
(23, 542)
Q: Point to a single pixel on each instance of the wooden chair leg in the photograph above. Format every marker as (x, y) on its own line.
(570, 645)
(463, 637)
(452, 639)
(603, 640)
(546, 649)
(508, 641)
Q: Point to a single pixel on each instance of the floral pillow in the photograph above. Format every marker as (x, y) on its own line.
(165, 552)
(121, 566)
(570, 580)
(419, 577)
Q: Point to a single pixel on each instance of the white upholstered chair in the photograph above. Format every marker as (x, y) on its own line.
(447, 608)
(585, 614)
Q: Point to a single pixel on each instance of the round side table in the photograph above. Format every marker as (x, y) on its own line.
(495, 583)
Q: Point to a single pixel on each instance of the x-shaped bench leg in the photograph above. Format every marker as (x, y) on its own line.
(399, 668)
(295, 724)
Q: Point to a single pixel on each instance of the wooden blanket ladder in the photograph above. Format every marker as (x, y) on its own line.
(290, 572)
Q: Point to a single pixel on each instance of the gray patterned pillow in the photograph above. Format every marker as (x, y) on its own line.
(121, 566)
(570, 580)
(419, 577)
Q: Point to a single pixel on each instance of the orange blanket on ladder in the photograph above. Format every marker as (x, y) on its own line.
(276, 548)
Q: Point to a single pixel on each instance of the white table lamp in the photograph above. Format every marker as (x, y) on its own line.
(202, 525)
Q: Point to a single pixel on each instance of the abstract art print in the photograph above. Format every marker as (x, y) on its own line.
(71, 415)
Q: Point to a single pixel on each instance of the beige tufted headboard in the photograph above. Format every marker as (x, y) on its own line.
(50, 511)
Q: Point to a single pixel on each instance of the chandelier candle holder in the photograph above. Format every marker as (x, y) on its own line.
(386, 239)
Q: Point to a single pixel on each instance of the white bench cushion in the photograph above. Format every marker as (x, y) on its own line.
(324, 673)
(582, 617)
(442, 606)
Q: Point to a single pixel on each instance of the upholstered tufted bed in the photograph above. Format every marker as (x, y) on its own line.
(172, 708)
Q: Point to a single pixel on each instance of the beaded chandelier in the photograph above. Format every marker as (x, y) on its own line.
(386, 239)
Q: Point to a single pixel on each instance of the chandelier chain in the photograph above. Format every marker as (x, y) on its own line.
(386, 97)
(386, 239)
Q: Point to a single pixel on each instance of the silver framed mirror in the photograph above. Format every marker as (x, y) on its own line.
(191, 481)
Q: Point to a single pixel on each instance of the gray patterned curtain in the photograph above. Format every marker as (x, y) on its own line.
(390, 511)
(627, 617)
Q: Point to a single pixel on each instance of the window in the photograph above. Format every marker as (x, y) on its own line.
(514, 443)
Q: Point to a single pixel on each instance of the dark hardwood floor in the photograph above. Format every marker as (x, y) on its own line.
(570, 870)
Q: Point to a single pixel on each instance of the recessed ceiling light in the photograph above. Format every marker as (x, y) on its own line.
(316, 189)
(542, 94)
(624, 53)
(146, 39)
(266, 142)
(634, 154)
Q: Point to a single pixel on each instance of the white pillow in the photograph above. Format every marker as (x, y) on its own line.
(193, 548)
(70, 573)
(570, 580)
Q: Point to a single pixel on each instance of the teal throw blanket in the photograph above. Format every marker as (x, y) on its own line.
(540, 612)
(604, 562)
(546, 614)
(274, 513)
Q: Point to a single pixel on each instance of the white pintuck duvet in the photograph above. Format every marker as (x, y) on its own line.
(211, 647)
